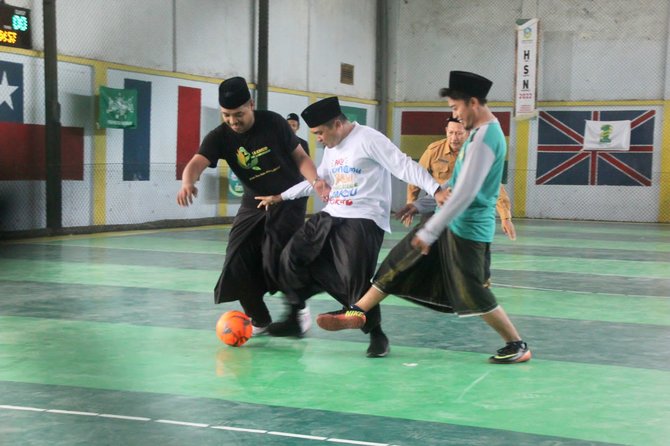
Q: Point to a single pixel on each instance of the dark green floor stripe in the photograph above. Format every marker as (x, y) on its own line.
(45, 297)
(144, 243)
(52, 429)
(646, 281)
(629, 345)
(214, 261)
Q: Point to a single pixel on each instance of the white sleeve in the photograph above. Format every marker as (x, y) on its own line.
(476, 167)
(383, 151)
(304, 188)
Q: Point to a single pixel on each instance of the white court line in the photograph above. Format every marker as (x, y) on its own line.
(72, 412)
(505, 285)
(189, 424)
(33, 409)
(364, 443)
(182, 423)
(239, 429)
(574, 272)
(123, 417)
(287, 434)
(467, 389)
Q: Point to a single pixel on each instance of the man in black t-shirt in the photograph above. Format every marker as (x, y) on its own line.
(267, 157)
(294, 121)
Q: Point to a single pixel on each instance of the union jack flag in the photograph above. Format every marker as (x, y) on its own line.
(560, 159)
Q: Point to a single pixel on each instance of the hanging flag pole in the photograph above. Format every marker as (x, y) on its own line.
(54, 192)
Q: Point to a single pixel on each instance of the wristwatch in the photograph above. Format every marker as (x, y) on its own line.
(315, 180)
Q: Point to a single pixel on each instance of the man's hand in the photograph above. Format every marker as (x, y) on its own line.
(268, 201)
(322, 189)
(508, 228)
(186, 194)
(420, 245)
(406, 214)
(442, 195)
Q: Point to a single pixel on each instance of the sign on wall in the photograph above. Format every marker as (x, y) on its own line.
(525, 91)
(118, 108)
(607, 135)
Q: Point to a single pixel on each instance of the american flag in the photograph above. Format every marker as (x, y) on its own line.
(560, 159)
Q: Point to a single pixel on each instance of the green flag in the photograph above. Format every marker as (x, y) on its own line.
(118, 108)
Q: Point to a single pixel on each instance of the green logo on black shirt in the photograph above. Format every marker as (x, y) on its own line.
(246, 160)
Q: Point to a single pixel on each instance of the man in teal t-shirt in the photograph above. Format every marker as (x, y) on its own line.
(477, 222)
(451, 277)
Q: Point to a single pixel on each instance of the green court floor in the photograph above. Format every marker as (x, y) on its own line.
(109, 339)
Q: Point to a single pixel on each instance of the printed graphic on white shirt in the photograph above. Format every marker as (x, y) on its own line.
(345, 183)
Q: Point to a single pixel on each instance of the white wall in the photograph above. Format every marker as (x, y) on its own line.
(308, 38)
(603, 50)
(434, 37)
(214, 37)
(342, 31)
(589, 50)
(289, 36)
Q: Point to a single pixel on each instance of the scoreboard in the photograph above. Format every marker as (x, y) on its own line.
(15, 27)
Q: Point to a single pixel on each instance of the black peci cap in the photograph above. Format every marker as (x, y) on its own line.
(321, 112)
(292, 117)
(233, 92)
(471, 84)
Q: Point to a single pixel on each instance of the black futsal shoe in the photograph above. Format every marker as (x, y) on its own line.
(296, 324)
(512, 353)
(379, 344)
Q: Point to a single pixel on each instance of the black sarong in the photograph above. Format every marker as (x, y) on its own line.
(333, 255)
(450, 278)
(255, 242)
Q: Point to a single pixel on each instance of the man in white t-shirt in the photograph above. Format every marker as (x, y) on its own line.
(336, 250)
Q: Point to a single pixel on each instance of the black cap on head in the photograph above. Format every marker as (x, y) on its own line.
(471, 84)
(292, 117)
(233, 92)
(321, 112)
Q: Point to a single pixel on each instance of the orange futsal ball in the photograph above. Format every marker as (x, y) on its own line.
(234, 328)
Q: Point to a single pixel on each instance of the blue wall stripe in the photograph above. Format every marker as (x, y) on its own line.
(137, 142)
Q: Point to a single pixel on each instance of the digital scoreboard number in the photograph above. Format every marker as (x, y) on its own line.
(15, 27)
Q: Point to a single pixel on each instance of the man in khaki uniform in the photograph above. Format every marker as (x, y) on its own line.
(439, 159)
